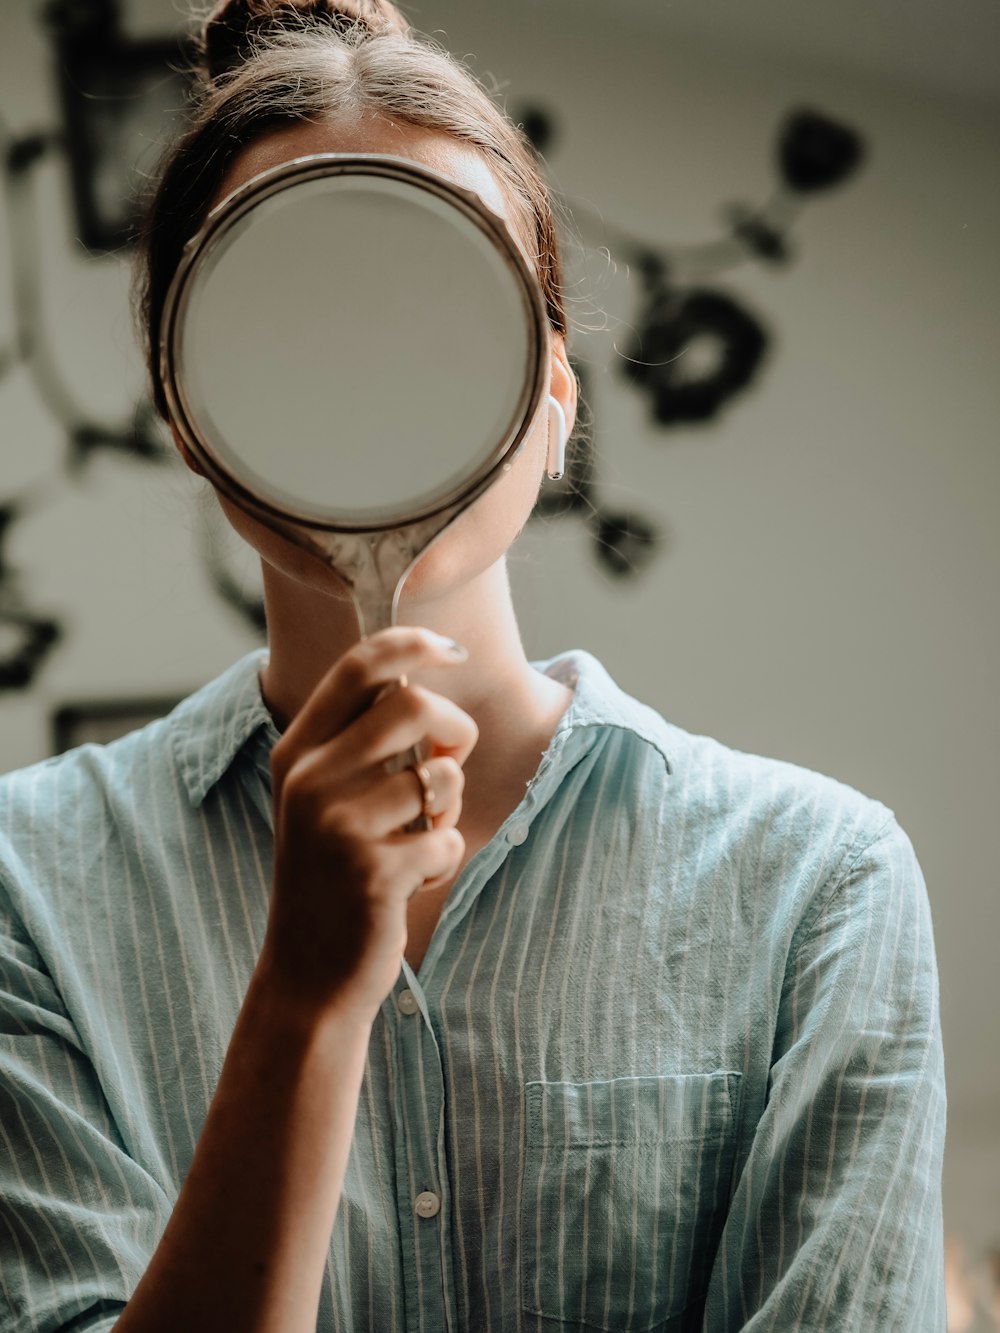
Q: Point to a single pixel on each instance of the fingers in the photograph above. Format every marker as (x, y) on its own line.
(400, 720)
(423, 860)
(383, 805)
(354, 681)
(353, 762)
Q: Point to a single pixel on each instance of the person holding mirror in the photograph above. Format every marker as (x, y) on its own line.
(572, 1018)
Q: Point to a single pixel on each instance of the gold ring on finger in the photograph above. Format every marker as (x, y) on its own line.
(427, 795)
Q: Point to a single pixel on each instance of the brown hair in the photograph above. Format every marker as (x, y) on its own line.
(269, 62)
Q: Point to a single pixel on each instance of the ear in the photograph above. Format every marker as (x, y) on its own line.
(562, 385)
(182, 448)
(562, 408)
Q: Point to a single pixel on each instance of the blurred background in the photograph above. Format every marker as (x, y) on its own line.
(781, 225)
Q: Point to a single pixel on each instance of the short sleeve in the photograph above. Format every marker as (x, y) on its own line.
(79, 1219)
(836, 1222)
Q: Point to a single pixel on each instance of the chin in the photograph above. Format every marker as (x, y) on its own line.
(475, 543)
(445, 569)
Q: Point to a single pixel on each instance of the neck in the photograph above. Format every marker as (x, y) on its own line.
(515, 707)
(309, 630)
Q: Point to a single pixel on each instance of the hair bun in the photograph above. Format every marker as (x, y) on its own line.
(230, 28)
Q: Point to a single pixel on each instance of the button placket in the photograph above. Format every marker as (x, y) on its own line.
(421, 1171)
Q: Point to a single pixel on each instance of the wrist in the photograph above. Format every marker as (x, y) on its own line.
(296, 1009)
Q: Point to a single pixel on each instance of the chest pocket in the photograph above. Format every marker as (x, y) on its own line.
(623, 1197)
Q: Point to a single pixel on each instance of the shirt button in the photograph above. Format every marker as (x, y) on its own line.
(407, 1002)
(427, 1204)
(517, 833)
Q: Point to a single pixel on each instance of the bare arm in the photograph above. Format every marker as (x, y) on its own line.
(245, 1247)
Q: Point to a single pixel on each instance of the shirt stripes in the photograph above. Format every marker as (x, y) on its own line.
(672, 1060)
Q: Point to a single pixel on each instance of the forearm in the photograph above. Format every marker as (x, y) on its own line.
(246, 1243)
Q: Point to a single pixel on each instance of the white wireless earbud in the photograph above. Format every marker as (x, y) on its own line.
(556, 464)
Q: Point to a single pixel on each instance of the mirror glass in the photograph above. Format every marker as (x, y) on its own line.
(355, 341)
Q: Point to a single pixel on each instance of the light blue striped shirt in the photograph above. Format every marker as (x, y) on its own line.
(672, 1059)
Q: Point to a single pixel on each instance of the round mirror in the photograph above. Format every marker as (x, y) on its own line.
(353, 343)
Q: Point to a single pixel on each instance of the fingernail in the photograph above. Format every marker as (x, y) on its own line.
(452, 646)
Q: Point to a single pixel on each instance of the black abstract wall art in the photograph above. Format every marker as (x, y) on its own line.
(697, 346)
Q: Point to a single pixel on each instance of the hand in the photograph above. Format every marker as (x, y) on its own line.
(344, 867)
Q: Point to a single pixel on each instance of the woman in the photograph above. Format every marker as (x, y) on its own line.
(641, 1034)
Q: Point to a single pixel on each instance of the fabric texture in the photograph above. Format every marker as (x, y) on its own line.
(672, 1059)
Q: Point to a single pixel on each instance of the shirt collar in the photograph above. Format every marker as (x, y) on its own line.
(599, 702)
(211, 728)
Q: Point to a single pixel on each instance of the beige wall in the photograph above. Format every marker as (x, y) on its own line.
(828, 591)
